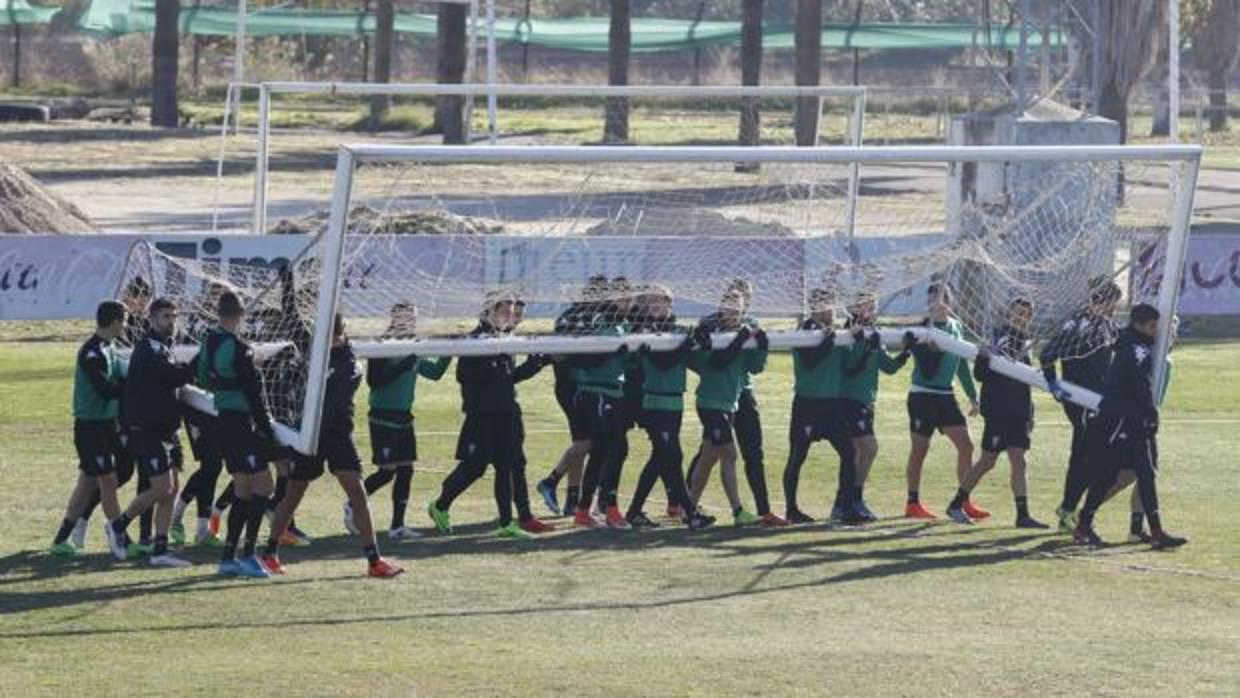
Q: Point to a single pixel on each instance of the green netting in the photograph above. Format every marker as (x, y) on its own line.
(117, 17)
(21, 12)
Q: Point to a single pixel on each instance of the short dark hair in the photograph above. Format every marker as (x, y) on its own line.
(109, 312)
(821, 296)
(937, 288)
(137, 288)
(338, 325)
(160, 304)
(1142, 313)
(1103, 290)
(1020, 302)
(742, 285)
(229, 305)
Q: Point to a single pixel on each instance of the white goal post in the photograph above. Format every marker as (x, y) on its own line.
(268, 90)
(421, 239)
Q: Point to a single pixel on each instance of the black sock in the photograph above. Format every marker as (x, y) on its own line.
(236, 524)
(376, 480)
(1137, 523)
(91, 505)
(258, 507)
(160, 547)
(913, 497)
(737, 510)
(281, 488)
(372, 553)
(400, 495)
(571, 499)
(66, 528)
(273, 546)
(121, 522)
(1022, 507)
(554, 477)
(1155, 523)
(959, 500)
(859, 493)
(146, 525)
(226, 498)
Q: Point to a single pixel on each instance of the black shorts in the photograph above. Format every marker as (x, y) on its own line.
(336, 451)
(203, 441)
(392, 445)
(1001, 433)
(858, 417)
(156, 452)
(565, 396)
(492, 438)
(930, 411)
(717, 426)
(811, 418)
(244, 452)
(97, 443)
(603, 415)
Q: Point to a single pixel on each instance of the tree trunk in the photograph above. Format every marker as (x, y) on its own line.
(1114, 106)
(385, 24)
(619, 41)
(808, 68)
(751, 69)
(1216, 81)
(450, 69)
(164, 48)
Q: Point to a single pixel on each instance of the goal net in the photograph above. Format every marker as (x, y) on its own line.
(291, 119)
(420, 239)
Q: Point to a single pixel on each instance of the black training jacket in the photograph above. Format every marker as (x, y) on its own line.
(151, 402)
(1003, 397)
(488, 383)
(1128, 393)
(1083, 344)
(344, 375)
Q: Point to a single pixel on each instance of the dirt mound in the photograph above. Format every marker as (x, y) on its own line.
(28, 207)
(364, 219)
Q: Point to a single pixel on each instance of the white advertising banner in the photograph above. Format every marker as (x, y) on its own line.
(49, 277)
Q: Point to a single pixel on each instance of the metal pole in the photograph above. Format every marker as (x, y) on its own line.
(330, 276)
(1184, 179)
(471, 60)
(261, 160)
(1173, 72)
(17, 54)
(1022, 61)
(239, 60)
(1095, 61)
(492, 101)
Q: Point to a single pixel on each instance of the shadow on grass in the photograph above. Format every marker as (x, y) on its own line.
(961, 551)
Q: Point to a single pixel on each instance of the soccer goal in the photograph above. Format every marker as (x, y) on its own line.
(420, 239)
(657, 115)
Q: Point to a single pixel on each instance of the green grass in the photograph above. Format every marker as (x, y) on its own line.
(895, 609)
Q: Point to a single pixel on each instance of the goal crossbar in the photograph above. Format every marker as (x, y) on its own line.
(771, 154)
(266, 90)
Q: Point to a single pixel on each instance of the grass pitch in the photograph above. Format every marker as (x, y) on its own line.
(897, 608)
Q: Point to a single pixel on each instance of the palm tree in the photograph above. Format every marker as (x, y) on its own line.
(619, 41)
(164, 55)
